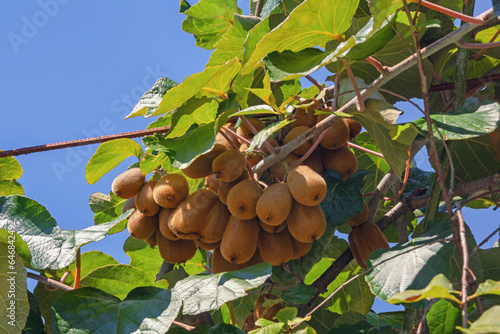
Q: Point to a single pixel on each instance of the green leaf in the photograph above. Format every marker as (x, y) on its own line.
(488, 322)
(395, 149)
(287, 314)
(332, 251)
(489, 261)
(343, 198)
(310, 24)
(195, 111)
(267, 327)
(109, 155)
(299, 294)
(382, 9)
(149, 101)
(146, 309)
(259, 139)
(117, 279)
(14, 305)
(490, 287)
(392, 319)
(143, 257)
(50, 246)
(105, 207)
(213, 81)
(151, 161)
(261, 109)
(9, 187)
(202, 293)
(196, 265)
(439, 287)
(241, 307)
(34, 323)
(474, 119)
(411, 265)
(208, 20)
(10, 169)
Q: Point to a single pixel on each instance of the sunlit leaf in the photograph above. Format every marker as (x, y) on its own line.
(150, 100)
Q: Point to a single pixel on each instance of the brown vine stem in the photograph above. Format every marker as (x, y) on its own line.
(269, 147)
(482, 51)
(234, 134)
(465, 263)
(49, 281)
(182, 325)
(315, 82)
(364, 149)
(476, 46)
(78, 270)
(308, 153)
(82, 142)
(361, 102)
(449, 12)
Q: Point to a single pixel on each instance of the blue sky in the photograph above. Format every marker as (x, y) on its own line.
(74, 69)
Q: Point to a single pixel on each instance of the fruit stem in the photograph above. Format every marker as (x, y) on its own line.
(77, 271)
(381, 68)
(315, 82)
(229, 139)
(308, 153)
(254, 131)
(483, 50)
(364, 149)
(407, 171)
(482, 46)
(449, 12)
(232, 318)
(361, 102)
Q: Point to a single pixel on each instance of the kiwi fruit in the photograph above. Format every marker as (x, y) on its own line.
(171, 190)
(212, 183)
(128, 183)
(225, 187)
(273, 229)
(163, 217)
(242, 199)
(207, 246)
(245, 132)
(360, 218)
(294, 133)
(221, 139)
(252, 159)
(364, 239)
(341, 160)
(307, 186)
(336, 135)
(220, 264)
(273, 142)
(300, 249)
(267, 306)
(144, 200)
(354, 127)
(275, 248)
(314, 161)
(306, 223)
(141, 226)
(248, 323)
(277, 171)
(178, 251)
(229, 165)
(306, 116)
(239, 241)
(129, 204)
(201, 216)
(274, 205)
(202, 165)
(151, 241)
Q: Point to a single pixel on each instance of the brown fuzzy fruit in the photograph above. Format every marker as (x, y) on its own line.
(212, 183)
(225, 187)
(364, 239)
(294, 133)
(360, 218)
(252, 159)
(273, 229)
(242, 199)
(306, 116)
(336, 135)
(163, 217)
(178, 251)
(354, 127)
(300, 248)
(129, 204)
(277, 172)
(200, 216)
(222, 140)
(306, 223)
(207, 246)
(141, 226)
(151, 241)
(274, 205)
(267, 306)
(229, 165)
(307, 186)
(202, 165)
(171, 190)
(128, 183)
(245, 132)
(314, 161)
(341, 160)
(220, 264)
(248, 323)
(277, 248)
(144, 200)
(239, 241)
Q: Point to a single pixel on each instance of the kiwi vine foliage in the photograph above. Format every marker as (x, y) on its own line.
(255, 69)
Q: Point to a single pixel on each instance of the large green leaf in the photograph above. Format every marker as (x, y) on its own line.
(393, 140)
(208, 20)
(474, 119)
(196, 110)
(488, 322)
(144, 310)
(201, 293)
(14, 305)
(143, 256)
(313, 23)
(213, 81)
(343, 198)
(443, 318)
(34, 323)
(149, 101)
(109, 155)
(50, 246)
(411, 265)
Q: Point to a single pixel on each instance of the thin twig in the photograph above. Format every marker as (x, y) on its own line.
(232, 318)
(77, 270)
(49, 281)
(364, 149)
(183, 325)
(269, 147)
(315, 82)
(492, 234)
(465, 263)
(361, 102)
